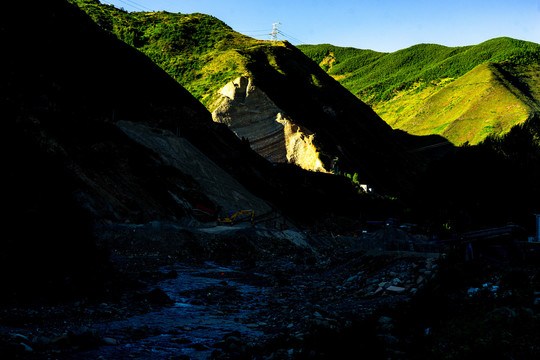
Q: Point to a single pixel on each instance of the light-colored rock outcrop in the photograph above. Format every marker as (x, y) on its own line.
(252, 115)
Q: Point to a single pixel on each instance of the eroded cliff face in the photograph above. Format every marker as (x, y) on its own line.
(252, 115)
(178, 152)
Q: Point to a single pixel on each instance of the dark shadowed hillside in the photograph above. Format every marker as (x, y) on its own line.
(117, 179)
(67, 164)
(488, 185)
(65, 86)
(288, 109)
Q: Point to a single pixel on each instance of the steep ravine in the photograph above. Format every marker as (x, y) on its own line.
(252, 115)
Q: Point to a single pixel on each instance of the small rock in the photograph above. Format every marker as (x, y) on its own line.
(41, 340)
(395, 288)
(61, 341)
(472, 291)
(110, 341)
(388, 339)
(506, 312)
(26, 347)
(234, 334)
(196, 302)
(180, 340)
(171, 275)
(385, 320)
(199, 347)
(158, 297)
(385, 324)
(233, 339)
(221, 344)
(19, 337)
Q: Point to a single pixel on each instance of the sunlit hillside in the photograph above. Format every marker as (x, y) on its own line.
(463, 93)
(199, 51)
(309, 115)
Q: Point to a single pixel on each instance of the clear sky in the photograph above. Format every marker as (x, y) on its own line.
(381, 25)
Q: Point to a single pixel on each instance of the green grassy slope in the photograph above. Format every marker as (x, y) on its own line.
(203, 54)
(413, 89)
(199, 51)
(482, 102)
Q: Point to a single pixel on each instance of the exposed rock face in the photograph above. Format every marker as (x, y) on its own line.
(252, 115)
(178, 152)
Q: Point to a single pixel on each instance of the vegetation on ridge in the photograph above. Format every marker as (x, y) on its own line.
(199, 51)
(503, 71)
(377, 77)
(413, 89)
(203, 54)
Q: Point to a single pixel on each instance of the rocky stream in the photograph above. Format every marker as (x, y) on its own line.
(294, 302)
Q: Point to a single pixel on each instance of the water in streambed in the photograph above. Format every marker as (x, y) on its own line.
(210, 302)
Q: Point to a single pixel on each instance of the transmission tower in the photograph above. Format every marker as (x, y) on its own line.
(274, 31)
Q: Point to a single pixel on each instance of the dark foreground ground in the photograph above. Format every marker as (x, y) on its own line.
(256, 294)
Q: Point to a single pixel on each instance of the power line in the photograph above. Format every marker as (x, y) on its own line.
(135, 5)
(291, 37)
(255, 33)
(133, 2)
(276, 31)
(128, 4)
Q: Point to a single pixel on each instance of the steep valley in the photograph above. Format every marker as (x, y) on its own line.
(141, 222)
(311, 120)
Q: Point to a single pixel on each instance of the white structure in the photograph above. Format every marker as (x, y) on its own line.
(367, 189)
(275, 31)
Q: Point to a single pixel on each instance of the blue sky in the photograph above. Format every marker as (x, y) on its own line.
(381, 25)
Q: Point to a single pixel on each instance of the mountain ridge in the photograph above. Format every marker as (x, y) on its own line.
(342, 126)
(89, 143)
(405, 80)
